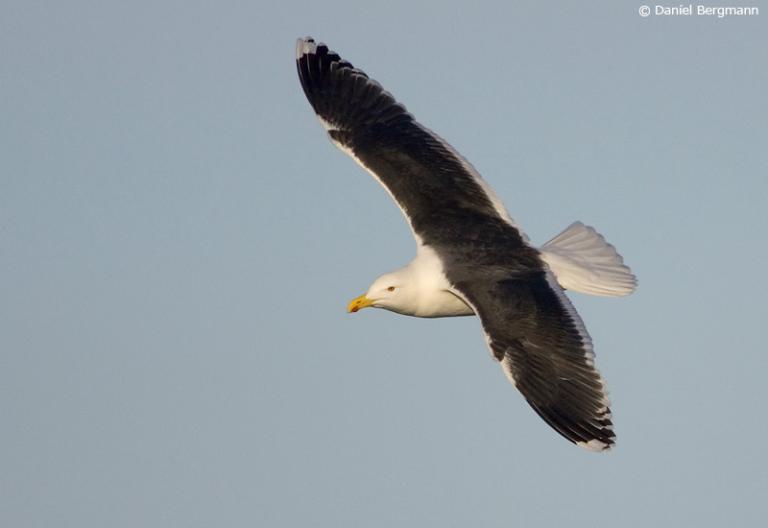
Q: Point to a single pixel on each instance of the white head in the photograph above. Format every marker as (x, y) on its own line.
(393, 291)
(418, 289)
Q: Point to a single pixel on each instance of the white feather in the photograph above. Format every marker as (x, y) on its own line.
(594, 445)
(583, 261)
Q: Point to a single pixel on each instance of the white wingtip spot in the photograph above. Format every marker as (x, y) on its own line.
(594, 445)
(305, 46)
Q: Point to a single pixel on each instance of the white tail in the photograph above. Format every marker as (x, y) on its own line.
(583, 261)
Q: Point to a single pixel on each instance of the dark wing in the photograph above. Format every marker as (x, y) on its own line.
(544, 349)
(437, 189)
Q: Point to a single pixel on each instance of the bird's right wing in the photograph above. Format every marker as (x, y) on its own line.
(544, 349)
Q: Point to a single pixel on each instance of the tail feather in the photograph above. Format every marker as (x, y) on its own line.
(583, 261)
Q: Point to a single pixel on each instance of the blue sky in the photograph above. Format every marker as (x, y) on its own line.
(178, 242)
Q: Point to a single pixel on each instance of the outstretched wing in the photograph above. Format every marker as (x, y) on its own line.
(544, 349)
(433, 185)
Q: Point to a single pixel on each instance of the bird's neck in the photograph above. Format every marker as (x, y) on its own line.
(430, 291)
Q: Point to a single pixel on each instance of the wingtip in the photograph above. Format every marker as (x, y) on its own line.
(305, 46)
(596, 446)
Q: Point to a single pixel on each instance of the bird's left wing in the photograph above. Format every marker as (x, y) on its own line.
(435, 187)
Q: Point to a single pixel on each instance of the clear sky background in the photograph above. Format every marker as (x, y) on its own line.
(178, 242)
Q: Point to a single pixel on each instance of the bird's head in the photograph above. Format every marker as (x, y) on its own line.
(390, 291)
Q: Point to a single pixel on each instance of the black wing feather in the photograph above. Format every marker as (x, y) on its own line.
(434, 186)
(541, 342)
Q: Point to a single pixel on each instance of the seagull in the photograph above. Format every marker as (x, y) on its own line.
(471, 257)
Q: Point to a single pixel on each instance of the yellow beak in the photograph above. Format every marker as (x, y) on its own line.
(359, 303)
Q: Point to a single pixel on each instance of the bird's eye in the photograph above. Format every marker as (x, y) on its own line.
(391, 289)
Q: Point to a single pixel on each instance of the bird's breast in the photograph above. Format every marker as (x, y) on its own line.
(442, 303)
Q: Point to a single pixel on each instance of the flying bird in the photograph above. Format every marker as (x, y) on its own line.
(471, 257)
